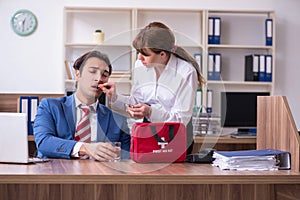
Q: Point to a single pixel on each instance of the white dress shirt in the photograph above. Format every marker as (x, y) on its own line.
(171, 96)
(93, 121)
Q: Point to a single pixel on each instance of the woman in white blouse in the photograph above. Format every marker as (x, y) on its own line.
(166, 78)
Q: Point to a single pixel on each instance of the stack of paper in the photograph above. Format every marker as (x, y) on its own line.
(265, 159)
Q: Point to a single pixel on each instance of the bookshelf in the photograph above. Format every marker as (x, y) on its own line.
(79, 26)
(242, 33)
(80, 23)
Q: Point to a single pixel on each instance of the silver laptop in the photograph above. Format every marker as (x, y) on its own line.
(13, 139)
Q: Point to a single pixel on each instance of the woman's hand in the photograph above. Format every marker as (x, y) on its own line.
(109, 89)
(139, 111)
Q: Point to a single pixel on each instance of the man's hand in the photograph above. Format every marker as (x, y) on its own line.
(101, 151)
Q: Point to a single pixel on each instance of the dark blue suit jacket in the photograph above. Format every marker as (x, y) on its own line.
(55, 123)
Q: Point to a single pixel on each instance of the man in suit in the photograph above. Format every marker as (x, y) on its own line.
(57, 118)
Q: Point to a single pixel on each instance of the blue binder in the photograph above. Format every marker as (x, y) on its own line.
(214, 66)
(217, 30)
(269, 32)
(198, 101)
(262, 69)
(283, 157)
(210, 70)
(214, 30)
(198, 59)
(268, 68)
(29, 105)
(217, 66)
(260, 152)
(209, 102)
(210, 30)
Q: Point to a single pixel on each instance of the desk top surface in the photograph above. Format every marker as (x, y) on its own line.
(90, 171)
(223, 140)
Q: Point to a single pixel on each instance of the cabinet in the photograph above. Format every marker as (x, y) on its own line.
(242, 33)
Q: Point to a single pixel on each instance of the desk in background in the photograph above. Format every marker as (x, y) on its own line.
(127, 180)
(224, 143)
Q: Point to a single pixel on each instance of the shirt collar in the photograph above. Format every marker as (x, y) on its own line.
(78, 103)
(172, 64)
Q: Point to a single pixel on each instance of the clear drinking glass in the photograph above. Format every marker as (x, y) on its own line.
(118, 146)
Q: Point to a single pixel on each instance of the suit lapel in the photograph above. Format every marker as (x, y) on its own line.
(69, 112)
(103, 119)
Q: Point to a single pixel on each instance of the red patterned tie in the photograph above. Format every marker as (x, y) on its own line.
(83, 130)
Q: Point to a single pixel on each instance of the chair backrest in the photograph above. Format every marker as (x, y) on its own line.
(276, 127)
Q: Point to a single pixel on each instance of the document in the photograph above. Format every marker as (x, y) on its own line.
(264, 159)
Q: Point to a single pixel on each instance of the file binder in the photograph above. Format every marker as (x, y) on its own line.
(214, 66)
(210, 72)
(268, 68)
(209, 107)
(198, 59)
(214, 30)
(210, 30)
(198, 100)
(217, 30)
(269, 32)
(29, 105)
(217, 67)
(262, 70)
(251, 67)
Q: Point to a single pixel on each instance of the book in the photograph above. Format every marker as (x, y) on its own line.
(263, 159)
(69, 70)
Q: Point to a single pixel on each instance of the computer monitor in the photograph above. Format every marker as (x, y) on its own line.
(238, 110)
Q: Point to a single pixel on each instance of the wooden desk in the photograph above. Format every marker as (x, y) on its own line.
(127, 180)
(224, 143)
(219, 143)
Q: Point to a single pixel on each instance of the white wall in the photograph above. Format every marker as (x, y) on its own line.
(287, 54)
(34, 64)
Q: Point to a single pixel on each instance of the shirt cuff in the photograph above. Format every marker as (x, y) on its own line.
(76, 148)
